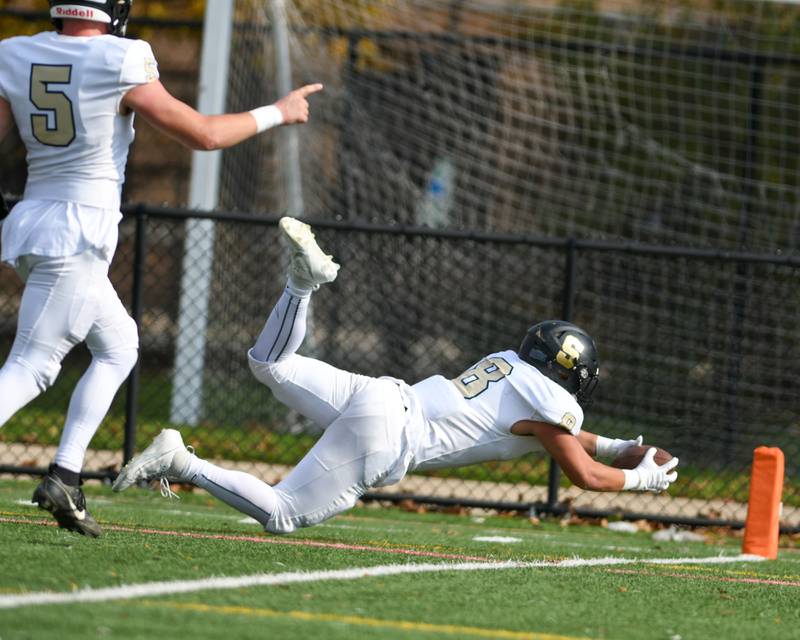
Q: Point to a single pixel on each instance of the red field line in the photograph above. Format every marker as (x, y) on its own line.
(266, 540)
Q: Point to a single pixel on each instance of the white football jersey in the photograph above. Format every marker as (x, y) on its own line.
(65, 94)
(469, 419)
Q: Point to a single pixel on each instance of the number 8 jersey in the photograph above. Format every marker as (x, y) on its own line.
(65, 94)
(469, 419)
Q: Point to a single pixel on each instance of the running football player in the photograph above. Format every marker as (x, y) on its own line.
(508, 404)
(72, 94)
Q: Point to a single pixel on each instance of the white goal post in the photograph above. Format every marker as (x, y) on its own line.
(187, 382)
(186, 404)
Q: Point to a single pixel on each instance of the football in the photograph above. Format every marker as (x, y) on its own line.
(632, 456)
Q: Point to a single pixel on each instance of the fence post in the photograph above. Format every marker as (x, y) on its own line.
(568, 303)
(132, 389)
(346, 204)
(740, 299)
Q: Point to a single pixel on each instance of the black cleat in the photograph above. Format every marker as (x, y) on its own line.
(67, 504)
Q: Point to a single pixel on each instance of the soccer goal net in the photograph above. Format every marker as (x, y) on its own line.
(666, 122)
(669, 124)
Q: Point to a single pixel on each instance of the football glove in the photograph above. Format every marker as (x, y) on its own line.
(648, 476)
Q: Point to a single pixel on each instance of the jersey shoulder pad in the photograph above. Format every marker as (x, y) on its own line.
(549, 402)
(139, 64)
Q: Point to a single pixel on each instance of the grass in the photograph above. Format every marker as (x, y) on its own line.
(637, 600)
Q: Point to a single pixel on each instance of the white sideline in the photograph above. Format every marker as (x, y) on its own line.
(151, 589)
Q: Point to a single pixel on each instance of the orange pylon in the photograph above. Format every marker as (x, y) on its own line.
(764, 506)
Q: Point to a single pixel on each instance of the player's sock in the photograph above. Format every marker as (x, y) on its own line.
(17, 388)
(67, 476)
(238, 489)
(285, 328)
(298, 290)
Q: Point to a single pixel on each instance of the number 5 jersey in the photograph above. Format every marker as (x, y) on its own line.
(65, 94)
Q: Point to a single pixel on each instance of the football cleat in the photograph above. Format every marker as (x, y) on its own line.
(166, 458)
(67, 504)
(310, 267)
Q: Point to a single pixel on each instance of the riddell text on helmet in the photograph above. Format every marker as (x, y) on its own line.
(74, 12)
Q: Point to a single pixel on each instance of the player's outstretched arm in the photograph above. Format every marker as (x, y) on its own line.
(203, 132)
(570, 454)
(587, 473)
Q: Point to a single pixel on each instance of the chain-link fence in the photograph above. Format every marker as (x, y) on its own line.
(699, 351)
(621, 125)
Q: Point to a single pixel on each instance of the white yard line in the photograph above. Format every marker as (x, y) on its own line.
(152, 589)
(497, 539)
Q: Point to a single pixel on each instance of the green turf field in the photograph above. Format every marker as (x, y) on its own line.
(192, 568)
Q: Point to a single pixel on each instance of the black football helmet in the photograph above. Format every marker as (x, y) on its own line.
(113, 12)
(564, 353)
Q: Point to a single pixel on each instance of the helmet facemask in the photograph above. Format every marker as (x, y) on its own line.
(587, 383)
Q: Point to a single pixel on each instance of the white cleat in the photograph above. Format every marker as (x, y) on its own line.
(310, 266)
(166, 457)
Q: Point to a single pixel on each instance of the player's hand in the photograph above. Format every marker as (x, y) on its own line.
(653, 477)
(294, 105)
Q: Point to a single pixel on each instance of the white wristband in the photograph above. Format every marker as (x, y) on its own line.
(267, 117)
(605, 447)
(632, 480)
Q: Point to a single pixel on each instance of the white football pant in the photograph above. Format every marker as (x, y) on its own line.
(365, 442)
(68, 300)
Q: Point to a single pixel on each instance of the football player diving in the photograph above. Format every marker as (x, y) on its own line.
(72, 93)
(377, 429)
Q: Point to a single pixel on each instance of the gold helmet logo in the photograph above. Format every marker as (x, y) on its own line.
(571, 350)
